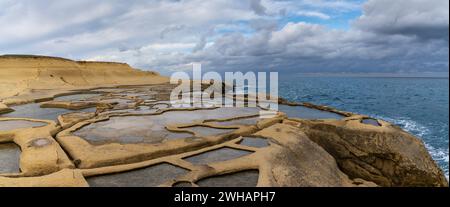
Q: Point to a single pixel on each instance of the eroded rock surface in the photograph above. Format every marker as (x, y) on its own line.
(147, 177)
(240, 179)
(5, 109)
(385, 155)
(71, 133)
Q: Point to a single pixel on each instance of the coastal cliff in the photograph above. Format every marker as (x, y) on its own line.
(129, 124)
(20, 73)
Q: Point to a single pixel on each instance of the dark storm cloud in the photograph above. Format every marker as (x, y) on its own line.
(257, 7)
(284, 35)
(424, 19)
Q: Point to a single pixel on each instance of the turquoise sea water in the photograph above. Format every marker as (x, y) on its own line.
(418, 105)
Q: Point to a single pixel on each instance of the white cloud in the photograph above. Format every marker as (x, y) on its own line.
(313, 14)
(426, 19)
(396, 35)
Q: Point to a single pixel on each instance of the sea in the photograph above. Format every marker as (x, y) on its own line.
(418, 105)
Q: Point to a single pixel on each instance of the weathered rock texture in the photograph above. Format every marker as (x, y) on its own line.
(299, 152)
(19, 74)
(4, 109)
(386, 155)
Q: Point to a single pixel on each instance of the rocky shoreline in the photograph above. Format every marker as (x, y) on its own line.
(113, 134)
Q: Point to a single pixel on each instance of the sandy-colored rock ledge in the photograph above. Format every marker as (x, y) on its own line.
(213, 143)
(19, 75)
(5, 109)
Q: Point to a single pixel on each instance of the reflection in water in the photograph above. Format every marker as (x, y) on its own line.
(34, 111)
(218, 155)
(208, 131)
(241, 179)
(246, 121)
(77, 97)
(19, 124)
(9, 158)
(303, 112)
(373, 122)
(254, 142)
(152, 129)
(146, 177)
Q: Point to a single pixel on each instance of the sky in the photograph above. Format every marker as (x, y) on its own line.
(293, 36)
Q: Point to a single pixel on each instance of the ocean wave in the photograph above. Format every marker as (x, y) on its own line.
(411, 126)
(440, 155)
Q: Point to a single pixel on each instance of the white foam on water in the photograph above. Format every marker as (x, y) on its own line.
(438, 154)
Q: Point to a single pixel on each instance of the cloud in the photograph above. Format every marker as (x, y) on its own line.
(311, 47)
(257, 7)
(338, 5)
(425, 19)
(167, 35)
(313, 14)
(171, 29)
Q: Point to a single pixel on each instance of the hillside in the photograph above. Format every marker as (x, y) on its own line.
(21, 73)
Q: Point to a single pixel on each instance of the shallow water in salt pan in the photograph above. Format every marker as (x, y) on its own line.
(182, 184)
(240, 179)
(146, 177)
(255, 142)
(218, 155)
(152, 129)
(9, 158)
(19, 124)
(34, 111)
(132, 94)
(303, 112)
(110, 90)
(372, 122)
(245, 121)
(77, 97)
(117, 100)
(160, 106)
(131, 129)
(208, 131)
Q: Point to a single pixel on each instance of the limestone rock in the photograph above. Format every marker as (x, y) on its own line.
(297, 161)
(72, 105)
(18, 73)
(63, 178)
(4, 109)
(385, 155)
